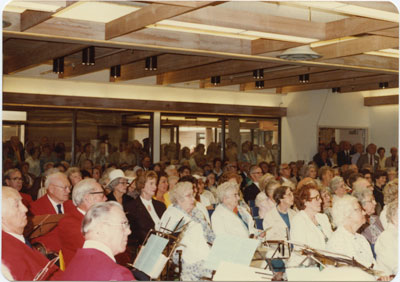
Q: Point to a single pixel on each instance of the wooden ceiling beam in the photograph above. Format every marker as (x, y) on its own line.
(355, 26)
(260, 46)
(325, 76)
(392, 32)
(367, 87)
(356, 46)
(269, 74)
(381, 100)
(121, 58)
(41, 53)
(365, 60)
(30, 18)
(225, 17)
(339, 83)
(215, 69)
(147, 15)
(165, 63)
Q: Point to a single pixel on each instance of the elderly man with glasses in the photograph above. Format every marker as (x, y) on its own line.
(106, 229)
(85, 194)
(250, 192)
(56, 201)
(13, 179)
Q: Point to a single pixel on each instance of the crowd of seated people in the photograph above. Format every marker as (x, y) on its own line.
(340, 202)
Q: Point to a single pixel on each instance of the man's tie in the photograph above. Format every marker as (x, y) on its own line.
(27, 243)
(59, 208)
(370, 159)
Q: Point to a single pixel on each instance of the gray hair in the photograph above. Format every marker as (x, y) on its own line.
(113, 183)
(361, 193)
(271, 186)
(335, 183)
(51, 177)
(97, 213)
(392, 210)
(224, 188)
(179, 189)
(308, 168)
(7, 174)
(81, 189)
(390, 192)
(342, 209)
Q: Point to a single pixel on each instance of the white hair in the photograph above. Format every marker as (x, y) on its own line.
(97, 213)
(179, 189)
(81, 189)
(335, 183)
(342, 208)
(224, 188)
(52, 176)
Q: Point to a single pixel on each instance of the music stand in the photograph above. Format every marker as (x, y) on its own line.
(43, 224)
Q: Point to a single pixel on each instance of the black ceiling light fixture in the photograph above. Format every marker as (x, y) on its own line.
(383, 85)
(259, 84)
(151, 63)
(115, 71)
(258, 74)
(58, 65)
(336, 90)
(88, 55)
(304, 78)
(215, 80)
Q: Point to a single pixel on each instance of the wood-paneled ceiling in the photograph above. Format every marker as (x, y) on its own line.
(195, 40)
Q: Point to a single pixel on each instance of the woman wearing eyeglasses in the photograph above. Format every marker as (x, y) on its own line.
(118, 185)
(309, 227)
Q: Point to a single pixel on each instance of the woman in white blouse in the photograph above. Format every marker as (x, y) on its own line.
(229, 217)
(309, 226)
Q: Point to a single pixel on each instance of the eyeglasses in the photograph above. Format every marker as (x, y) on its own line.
(257, 172)
(16, 179)
(63, 187)
(124, 224)
(318, 197)
(98, 192)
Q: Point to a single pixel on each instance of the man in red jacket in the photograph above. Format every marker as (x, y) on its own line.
(22, 261)
(13, 179)
(85, 194)
(54, 202)
(106, 231)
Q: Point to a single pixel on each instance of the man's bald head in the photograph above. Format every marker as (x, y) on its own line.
(13, 211)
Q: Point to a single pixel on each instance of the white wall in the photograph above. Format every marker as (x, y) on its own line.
(309, 110)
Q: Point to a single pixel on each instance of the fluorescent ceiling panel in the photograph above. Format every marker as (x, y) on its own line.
(102, 12)
(383, 54)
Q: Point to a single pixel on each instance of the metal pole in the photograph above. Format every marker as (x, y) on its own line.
(223, 120)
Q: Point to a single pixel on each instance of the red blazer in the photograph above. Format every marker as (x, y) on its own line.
(22, 261)
(94, 265)
(70, 235)
(26, 199)
(43, 206)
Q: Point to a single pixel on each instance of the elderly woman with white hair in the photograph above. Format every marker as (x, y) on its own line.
(197, 236)
(386, 246)
(338, 187)
(265, 201)
(229, 217)
(373, 227)
(349, 216)
(390, 194)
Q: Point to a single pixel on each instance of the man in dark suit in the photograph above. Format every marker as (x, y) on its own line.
(106, 231)
(56, 201)
(369, 158)
(343, 157)
(251, 191)
(144, 212)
